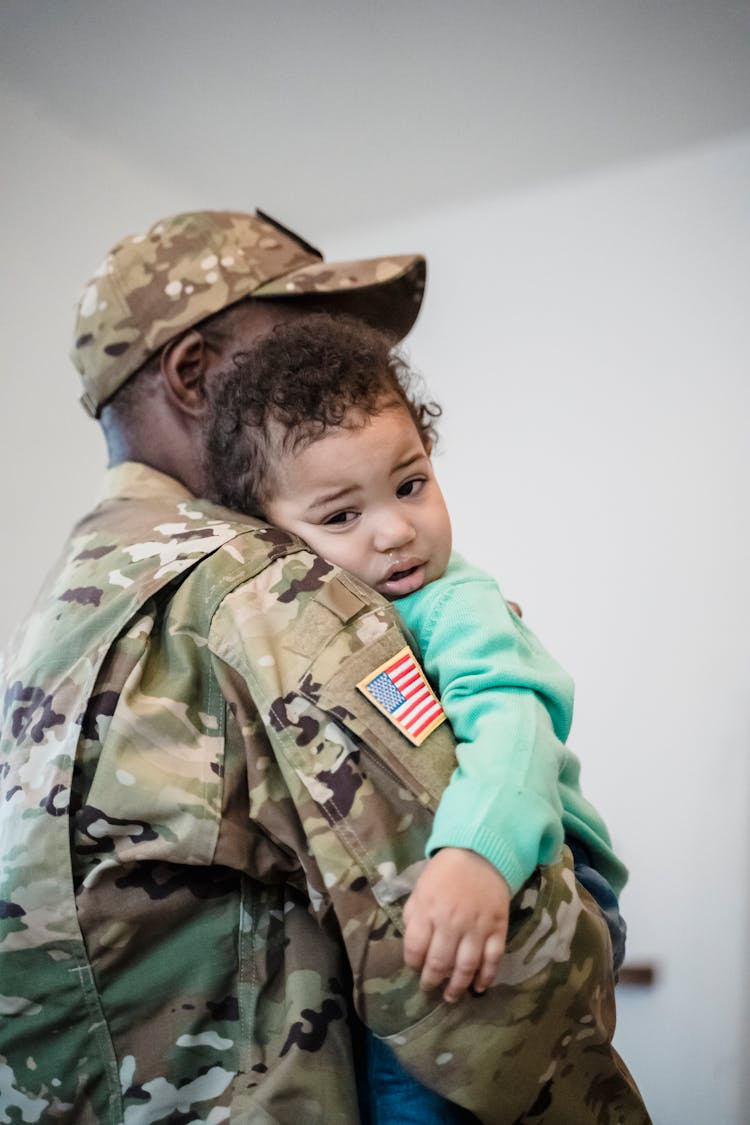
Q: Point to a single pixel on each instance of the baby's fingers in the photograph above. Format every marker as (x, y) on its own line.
(417, 937)
(440, 959)
(494, 947)
(468, 959)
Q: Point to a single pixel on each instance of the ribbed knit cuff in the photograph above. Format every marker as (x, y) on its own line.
(484, 841)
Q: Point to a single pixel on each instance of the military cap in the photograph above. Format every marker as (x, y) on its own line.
(153, 286)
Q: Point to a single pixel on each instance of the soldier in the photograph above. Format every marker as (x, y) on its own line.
(208, 832)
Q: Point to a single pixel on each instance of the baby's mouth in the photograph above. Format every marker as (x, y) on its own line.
(404, 580)
(399, 574)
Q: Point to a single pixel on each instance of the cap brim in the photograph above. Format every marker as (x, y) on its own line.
(385, 292)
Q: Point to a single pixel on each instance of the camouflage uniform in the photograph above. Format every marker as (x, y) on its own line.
(208, 837)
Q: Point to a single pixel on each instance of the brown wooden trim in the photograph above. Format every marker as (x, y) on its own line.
(641, 975)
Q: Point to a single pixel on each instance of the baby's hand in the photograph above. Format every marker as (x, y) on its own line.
(456, 922)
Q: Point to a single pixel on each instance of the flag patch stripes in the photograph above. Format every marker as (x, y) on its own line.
(399, 689)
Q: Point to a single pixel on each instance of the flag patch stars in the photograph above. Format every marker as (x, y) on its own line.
(399, 689)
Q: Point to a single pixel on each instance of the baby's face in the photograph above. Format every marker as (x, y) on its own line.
(366, 498)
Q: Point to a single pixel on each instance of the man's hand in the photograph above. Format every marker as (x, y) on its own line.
(456, 922)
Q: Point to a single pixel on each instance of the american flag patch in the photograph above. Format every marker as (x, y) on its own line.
(400, 690)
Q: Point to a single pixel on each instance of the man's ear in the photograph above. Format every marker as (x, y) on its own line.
(183, 367)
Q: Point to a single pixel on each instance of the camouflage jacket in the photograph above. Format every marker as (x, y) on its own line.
(207, 837)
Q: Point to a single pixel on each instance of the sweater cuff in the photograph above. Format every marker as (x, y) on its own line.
(486, 843)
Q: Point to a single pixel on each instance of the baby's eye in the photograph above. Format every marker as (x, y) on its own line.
(410, 487)
(340, 518)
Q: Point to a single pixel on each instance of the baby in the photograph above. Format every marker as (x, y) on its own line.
(318, 430)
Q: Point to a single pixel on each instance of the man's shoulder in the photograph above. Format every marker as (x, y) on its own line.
(141, 506)
(150, 537)
(131, 548)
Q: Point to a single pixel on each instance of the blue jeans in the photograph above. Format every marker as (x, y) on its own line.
(395, 1098)
(604, 897)
(398, 1099)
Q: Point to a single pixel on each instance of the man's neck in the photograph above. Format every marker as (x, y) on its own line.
(187, 470)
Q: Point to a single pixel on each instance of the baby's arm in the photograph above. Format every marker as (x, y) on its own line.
(456, 922)
(510, 705)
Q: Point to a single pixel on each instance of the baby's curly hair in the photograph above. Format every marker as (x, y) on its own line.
(289, 389)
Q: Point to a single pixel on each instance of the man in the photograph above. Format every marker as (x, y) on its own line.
(208, 830)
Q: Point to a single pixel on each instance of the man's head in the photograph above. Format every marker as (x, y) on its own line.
(167, 309)
(153, 287)
(318, 429)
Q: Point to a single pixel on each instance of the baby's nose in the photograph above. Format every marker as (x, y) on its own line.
(394, 532)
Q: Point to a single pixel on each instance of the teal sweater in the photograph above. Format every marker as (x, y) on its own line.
(515, 793)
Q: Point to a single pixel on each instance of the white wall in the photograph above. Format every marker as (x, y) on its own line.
(585, 329)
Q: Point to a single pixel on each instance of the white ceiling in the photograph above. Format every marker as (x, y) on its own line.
(371, 109)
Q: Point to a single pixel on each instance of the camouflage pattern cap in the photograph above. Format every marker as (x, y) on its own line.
(153, 286)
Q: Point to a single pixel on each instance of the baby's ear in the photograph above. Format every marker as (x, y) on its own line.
(427, 442)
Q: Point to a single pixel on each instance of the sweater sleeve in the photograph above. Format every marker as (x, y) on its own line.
(510, 705)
